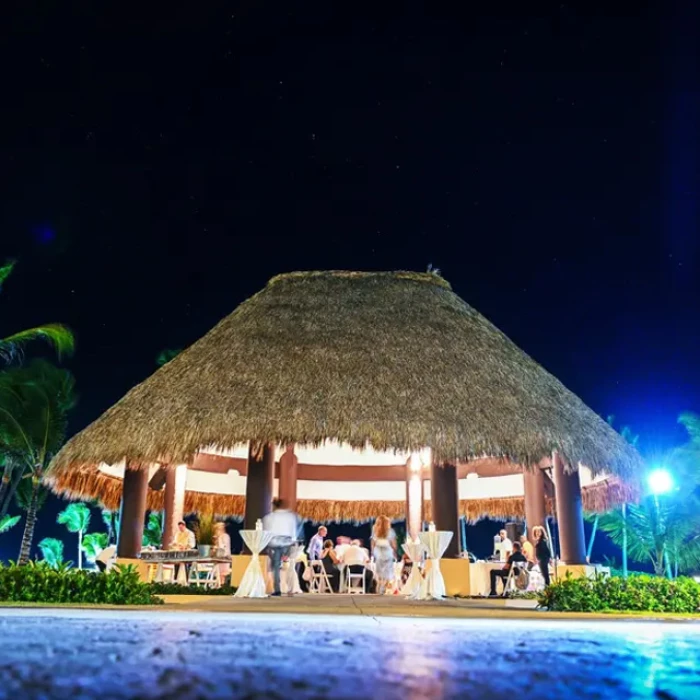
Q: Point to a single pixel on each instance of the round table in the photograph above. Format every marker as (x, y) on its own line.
(433, 585)
(414, 550)
(253, 582)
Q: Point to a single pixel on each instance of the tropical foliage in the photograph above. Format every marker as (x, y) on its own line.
(34, 404)
(166, 355)
(611, 593)
(153, 532)
(204, 529)
(40, 583)
(94, 543)
(177, 589)
(7, 522)
(52, 551)
(76, 518)
(55, 334)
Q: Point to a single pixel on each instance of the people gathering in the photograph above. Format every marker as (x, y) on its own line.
(376, 566)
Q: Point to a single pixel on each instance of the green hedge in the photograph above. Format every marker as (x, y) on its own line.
(39, 583)
(176, 589)
(612, 593)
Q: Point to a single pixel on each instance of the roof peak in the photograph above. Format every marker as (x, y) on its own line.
(424, 277)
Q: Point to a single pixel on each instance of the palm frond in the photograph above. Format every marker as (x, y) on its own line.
(94, 543)
(23, 495)
(6, 271)
(56, 335)
(52, 551)
(7, 522)
(76, 517)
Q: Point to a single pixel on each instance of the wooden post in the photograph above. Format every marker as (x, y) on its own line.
(288, 477)
(535, 508)
(445, 503)
(572, 540)
(173, 501)
(133, 512)
(259, 483)
(414, 496)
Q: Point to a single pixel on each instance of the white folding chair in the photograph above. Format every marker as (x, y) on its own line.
(355, 581)
(511, 584)
(320, 583)
(205, 574)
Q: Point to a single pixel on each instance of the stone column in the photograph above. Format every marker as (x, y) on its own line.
(259, 483)
(133, 512)
(567, 486)
(414, 496)
(173, 501)
(445, 501)
(535, 506)
(288, 477)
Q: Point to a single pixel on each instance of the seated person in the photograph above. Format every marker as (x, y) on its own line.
(330, 561)
(184, 539)
(516, 556)
(355, 558)
(341, 544)
(527, 549)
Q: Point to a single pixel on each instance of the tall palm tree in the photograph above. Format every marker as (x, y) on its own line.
(34, 404)
(57, 335)
(76, 517)
(52, 551)
(30, 498)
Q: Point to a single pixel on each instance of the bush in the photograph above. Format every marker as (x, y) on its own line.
(612, 593)
(175, 589)
(37, 582)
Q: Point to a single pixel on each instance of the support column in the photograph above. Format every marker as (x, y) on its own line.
(173, 501)
(288, 478)
(414, 496)
(535, 507)
(572, 543)
(445, 502)
(132, 512)
(259, 483)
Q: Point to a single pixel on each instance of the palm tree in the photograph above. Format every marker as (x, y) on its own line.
(76, 517)
(30, 498)
(55, 334)
(7, 522)
(34, 404)
(111, 520)
(52, 551)
(94, 543)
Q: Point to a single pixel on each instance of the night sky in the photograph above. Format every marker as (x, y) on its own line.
(159, 166)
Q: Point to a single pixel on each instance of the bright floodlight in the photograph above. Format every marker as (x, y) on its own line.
(660, 481)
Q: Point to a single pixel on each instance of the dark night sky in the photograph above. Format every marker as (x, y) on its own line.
(158, 166)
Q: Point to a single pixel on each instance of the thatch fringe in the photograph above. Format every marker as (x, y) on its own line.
(392, 360)
(597, 498)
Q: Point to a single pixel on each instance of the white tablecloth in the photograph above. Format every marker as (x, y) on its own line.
(253, 582)
(415, 579)
(480, 576)
(289, 579)
(433, 585)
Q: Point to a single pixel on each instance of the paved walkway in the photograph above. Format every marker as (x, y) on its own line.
(389, 606)
(166, 654)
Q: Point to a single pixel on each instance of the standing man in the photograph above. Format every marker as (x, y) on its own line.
(316, 543)
(284, 526)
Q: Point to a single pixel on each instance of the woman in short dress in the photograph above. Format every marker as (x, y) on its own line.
(384, 553)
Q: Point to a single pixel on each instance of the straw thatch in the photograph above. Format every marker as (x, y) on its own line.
(394, 360)
(597, 498)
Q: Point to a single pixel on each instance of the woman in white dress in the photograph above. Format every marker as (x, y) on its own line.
(384, 553)
(222, 544)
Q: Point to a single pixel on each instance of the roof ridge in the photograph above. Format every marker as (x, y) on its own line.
(424, 277)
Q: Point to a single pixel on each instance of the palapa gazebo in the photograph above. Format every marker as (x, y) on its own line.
(351, 394)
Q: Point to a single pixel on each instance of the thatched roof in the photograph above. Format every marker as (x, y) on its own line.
(395, 360)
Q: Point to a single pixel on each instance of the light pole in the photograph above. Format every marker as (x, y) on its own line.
(660, 482)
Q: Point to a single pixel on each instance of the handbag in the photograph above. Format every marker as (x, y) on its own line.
(307, 575)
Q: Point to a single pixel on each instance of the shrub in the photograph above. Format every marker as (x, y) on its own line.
(37, 582)
(612, 593)
(175, 589)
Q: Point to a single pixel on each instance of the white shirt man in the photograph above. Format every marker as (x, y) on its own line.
(316, 543)
(283, 524)
(505, 547)
(355, 555)
(184, 538)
